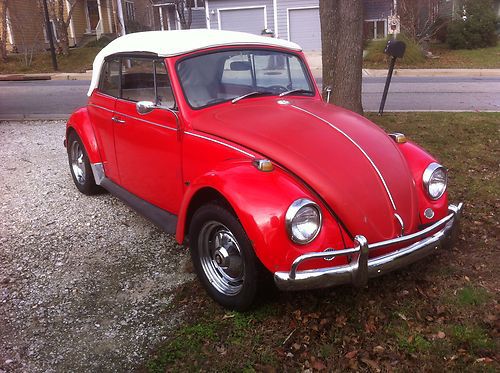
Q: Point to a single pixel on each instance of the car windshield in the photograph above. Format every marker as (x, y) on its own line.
(237, 74)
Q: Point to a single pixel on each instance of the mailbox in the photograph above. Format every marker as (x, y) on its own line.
(395, 48)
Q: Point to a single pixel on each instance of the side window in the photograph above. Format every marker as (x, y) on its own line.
(237, 70)
(139, 83)
(164, 94)
(138, 79)
(110, 78)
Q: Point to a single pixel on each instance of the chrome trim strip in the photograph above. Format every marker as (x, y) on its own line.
(220, 143)
(98, 171)
(360, 149)
(136, 118)
(101, 107)
(401, 222)
(361, 268)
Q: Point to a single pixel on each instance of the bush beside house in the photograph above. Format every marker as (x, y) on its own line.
(477, 28)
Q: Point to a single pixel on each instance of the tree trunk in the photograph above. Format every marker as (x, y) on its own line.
(62, 28)
(183, 7)
(3, 31)
(342, 44)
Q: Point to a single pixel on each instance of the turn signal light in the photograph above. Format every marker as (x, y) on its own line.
(264, 165)
(399, 138)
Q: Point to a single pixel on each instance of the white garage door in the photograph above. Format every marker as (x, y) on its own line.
(304, 28)
(250, 20)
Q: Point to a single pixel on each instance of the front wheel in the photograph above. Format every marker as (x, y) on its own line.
(223, 257)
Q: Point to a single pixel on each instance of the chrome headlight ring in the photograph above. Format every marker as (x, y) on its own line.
(303, 221)
(435, 180)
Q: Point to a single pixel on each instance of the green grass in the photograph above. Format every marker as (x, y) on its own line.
(483, 58)
(189, 341)
(472, 296)
(216, 335)
(471, 337)
(78, 60)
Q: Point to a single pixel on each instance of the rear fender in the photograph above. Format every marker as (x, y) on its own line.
(80, 123)
(260, 201)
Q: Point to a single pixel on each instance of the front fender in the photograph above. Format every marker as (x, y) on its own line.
(260, 201)
(80, 123)
(418, 160)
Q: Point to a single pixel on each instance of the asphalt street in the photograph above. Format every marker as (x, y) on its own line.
(56, 99)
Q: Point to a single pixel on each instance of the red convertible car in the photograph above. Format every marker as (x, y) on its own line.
(223, 139)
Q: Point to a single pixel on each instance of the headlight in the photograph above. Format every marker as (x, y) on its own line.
(435, 180)
(303, 221)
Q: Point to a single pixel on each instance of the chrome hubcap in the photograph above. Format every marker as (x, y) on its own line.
(221, 259)
(77, 162)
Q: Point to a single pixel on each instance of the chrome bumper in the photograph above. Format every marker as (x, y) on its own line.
(361, 268)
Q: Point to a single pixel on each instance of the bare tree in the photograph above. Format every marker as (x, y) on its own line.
(342, 49)
(184, 12)
(3, 30)
(419, 18)
(62, 18)
(28, 39)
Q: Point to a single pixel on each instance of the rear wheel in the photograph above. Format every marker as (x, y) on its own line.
(79, 165)
(223, 257)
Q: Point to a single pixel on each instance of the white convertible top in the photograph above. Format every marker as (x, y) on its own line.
(177, 42)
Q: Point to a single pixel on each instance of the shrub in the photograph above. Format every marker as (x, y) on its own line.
(413, 54)
(476, 30)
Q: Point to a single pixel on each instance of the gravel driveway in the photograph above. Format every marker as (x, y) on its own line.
(85, 282)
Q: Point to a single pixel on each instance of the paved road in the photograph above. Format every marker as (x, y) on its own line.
(58, 98)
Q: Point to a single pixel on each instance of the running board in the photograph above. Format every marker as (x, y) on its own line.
(163, 219)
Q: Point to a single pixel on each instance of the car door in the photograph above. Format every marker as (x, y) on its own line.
(100, 108)
(147, 145)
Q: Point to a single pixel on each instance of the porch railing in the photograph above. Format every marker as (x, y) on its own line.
(99, 29)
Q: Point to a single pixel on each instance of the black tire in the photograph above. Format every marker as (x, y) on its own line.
(79, 166)
(223, 257)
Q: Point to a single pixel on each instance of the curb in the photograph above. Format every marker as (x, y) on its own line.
(54, 76)
(434, 72)
(23, 77)
(28, 117)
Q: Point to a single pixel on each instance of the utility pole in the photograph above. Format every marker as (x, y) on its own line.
(48, 27)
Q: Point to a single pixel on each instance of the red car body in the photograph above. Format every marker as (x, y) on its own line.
(362, 180)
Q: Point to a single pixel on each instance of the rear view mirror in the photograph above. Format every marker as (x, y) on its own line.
(145, 107)
(240, 66)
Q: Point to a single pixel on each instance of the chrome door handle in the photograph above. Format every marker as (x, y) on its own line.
(118, 120)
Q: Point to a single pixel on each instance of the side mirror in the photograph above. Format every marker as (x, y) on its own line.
(328, 91)
(145, 107)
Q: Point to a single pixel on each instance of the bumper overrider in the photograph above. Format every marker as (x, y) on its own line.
(361, 268)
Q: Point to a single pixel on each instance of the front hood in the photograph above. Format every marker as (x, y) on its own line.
(350, 162)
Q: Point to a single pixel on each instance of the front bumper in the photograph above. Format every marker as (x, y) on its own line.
(361, 268)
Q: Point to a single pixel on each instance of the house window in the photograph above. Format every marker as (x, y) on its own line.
(54, 32)
(375, 29)
(196, 4)
(130, 10)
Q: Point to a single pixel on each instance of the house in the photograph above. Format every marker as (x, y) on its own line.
(294, 20)
(90, 19)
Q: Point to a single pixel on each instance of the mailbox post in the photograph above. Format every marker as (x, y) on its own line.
(395, 49)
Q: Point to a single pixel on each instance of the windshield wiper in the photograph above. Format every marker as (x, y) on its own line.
(251, 94)
(299, 90)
